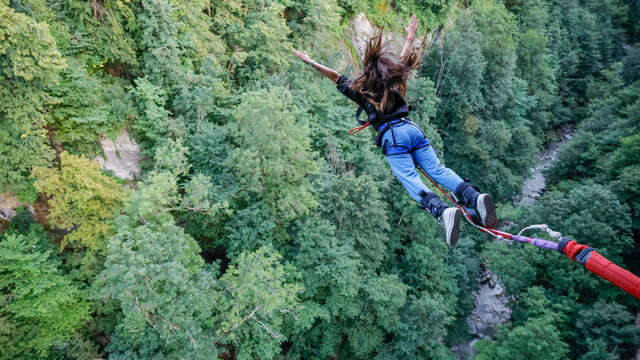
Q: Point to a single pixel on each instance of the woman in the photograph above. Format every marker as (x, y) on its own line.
(379, 90)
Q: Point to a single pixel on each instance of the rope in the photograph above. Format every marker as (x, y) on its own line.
(544, 227)
(493, 232)
(355, 130)
(595, 263)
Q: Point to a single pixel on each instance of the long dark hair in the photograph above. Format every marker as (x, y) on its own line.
(384, 75)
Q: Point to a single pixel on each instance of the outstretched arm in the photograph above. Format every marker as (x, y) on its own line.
(330, 73)
(411, 35)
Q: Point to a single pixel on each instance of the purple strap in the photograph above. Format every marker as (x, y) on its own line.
(537, 242)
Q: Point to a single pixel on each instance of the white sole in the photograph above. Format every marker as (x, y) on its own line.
(487, 211)
(451, 219)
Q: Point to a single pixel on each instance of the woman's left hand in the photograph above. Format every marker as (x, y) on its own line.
(413, 27)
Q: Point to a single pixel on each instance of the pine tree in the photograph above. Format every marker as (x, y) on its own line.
(259, 294)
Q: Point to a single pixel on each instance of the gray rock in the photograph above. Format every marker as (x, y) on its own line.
(362, 30)
(638, 349)
(491, 306)
(465, 351)
(122, 156)
(8, 205)
(533, 187)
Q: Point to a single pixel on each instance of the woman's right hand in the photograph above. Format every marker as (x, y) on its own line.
(303, 56)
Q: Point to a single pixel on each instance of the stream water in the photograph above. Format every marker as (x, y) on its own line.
(492, 304)
(532, 188)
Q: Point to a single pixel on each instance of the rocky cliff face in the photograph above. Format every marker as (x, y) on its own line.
(362, 30)
(122, 156)
(8, 205)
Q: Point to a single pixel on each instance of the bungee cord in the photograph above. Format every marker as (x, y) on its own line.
(582, 254)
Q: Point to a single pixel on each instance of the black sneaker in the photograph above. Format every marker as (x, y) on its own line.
(471, 197)
(451, 220)
(487, 211)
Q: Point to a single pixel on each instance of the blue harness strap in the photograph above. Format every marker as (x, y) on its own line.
(385, 127)
(371, 116)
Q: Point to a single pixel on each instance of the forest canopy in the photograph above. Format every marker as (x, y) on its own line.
(257, 228)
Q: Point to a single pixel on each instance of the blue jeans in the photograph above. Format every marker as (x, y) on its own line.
(405, 145)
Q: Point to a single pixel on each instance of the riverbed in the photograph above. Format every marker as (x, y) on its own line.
(491, 303)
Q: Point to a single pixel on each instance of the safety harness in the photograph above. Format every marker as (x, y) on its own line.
(380, 121)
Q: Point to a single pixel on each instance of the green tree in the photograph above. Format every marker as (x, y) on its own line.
(259, 293)
(154, 123)
(182, 85)
(175, 307)
(91, 105)
(81, 199)
(610, 326)
(535, 63)
(419, 331)
(155, 276)
(272, 158)
(257, 33)
(41, 307)
(100, 33)
(358, 212)
(30, 62)
(348, 304)
(611, 117)
(584, 39)
(535, 339)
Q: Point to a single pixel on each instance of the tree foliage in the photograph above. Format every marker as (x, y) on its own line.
(81, 200)
(259, 294)
(259, 228)
(41, 307)
(30, 62)
(273, 158)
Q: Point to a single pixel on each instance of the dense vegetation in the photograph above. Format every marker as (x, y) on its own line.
(259, 229)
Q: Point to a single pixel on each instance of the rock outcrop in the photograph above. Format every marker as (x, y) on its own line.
(492, 305)
(8, 205)
(362, 30)
(491, 310)
(122, 156)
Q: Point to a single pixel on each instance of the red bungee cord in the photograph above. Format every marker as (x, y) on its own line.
(355, 130)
